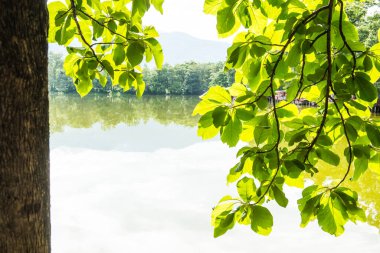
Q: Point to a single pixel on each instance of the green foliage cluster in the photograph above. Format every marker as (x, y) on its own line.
(114, 41)
(312, 50)
(182, 79)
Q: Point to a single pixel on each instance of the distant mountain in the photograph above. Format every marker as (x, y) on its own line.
(181, 47)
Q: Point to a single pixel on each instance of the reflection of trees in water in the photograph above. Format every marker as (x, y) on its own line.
(76, 112)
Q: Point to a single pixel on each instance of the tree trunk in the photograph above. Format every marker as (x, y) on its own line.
(24, 128)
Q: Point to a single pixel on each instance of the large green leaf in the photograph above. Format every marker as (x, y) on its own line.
(328, 156)
(246, 188)
(119, 55)
(212, 6)
(135, 53)
(158, 5)
(231, 132)
(373, 133)
(157, 52)
(261, 220)
(366, 90)
(226, 22)
(331, 217)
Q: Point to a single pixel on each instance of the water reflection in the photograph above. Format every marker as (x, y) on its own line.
(160, 194)
(76, 112)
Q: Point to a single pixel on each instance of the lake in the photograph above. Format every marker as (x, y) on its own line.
(131, 175)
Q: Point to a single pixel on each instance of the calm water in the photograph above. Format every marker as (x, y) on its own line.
(131, 175)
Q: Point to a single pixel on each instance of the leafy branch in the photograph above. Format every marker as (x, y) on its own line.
(308, 57)
(74, 11)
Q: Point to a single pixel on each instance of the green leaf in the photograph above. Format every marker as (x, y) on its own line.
(351, 132)
(206, 129)
(260, 169)
(279, 196)
(262, 129)
(237, 54)
(226, 22)
(362, 151)
(238, 89)
(212, 6)
(135, 53)
(261, 220)
(118, 55)
(140, 85)
(231, 132)
(126, 80)
(205, 106)
(157, 52)
(108, 67)
(361, 166)
(294, 168)
(222, 217)
(367, 63)
(56, 13)
(65, 34)
(254, 75)
(158, 5)
(373, 134)
(244, 114)
(328, 156)
(139, 7)
(220, 116)
(308, 207)
(83, 86)
(324, 140)
(244, 16)
(349, 199)
(366, 90)
(225, 223)
(330, 218)
(150, 32)
(112, 26)
(247, 189)
(217, 94)
(243, 215)
(102, 79)
(294, 56)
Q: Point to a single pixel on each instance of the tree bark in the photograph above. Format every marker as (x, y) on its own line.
(24, 128)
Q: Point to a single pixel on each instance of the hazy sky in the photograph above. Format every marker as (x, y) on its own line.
(183, 16)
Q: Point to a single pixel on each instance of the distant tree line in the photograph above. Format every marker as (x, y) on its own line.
(183, 79)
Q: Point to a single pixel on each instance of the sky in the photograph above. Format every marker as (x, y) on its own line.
(183, 16)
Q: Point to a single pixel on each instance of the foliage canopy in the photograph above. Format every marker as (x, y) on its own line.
(313, 51)
(309, 48)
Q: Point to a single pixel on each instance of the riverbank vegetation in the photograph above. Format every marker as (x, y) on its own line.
(182, 79)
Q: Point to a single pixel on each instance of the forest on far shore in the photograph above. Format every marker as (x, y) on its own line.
(182, 79)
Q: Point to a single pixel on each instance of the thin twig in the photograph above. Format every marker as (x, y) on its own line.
(344, 38)
(349, 145)
(73, 7)
(329, 79)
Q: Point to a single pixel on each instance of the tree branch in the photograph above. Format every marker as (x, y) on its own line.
(73, 7)
(329, 79)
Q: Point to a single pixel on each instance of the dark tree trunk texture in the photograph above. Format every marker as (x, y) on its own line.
(24, 128)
